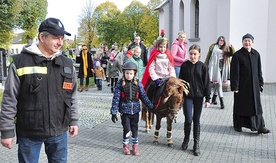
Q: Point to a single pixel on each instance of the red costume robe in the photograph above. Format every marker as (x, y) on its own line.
(146, 77)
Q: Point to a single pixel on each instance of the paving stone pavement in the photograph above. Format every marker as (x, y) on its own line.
(99, 139)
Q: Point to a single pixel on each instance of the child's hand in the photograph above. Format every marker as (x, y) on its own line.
(114, 118)
(158, 81)
(153, 110)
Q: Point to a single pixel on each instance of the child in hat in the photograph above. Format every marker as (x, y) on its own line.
(99, 75)
(160, 66)
(95, 59)
(126, 100)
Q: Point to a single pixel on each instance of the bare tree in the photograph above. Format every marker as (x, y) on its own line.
(87, 27)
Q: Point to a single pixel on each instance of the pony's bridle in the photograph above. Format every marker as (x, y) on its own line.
(173, 111)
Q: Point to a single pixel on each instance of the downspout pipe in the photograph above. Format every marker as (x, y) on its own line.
(170, 22)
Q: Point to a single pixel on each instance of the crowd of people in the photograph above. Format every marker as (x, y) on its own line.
(40, 79)
(158, 62)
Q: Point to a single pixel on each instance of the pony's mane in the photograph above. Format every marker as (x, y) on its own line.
(179, 84)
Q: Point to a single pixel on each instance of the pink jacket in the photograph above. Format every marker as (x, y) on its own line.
(179, 52)
(161, 68)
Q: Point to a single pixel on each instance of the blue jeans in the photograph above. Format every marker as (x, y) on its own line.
(192, 108)
(177, 71)
(99, 83)
(55, 148)
(86, 81)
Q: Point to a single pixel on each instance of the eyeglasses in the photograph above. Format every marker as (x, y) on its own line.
(84, 49)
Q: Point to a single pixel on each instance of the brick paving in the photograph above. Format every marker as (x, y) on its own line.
(99, 139)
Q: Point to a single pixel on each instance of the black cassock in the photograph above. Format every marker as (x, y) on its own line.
(246, 77)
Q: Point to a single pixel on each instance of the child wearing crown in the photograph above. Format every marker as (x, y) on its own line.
(160, 66)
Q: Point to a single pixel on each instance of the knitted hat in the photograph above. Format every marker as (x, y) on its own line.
(98, 64)
(111, 55)
(248, 36)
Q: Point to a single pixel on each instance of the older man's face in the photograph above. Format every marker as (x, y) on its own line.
(247, 44)
(137, 40)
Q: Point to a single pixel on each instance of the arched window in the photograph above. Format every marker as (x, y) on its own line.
(181, 15)
(197, 19)
(194, 21)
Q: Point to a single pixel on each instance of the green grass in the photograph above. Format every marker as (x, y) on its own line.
(1, 95)
(91, 82)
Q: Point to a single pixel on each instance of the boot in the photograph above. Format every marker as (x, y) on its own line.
(263, 130)
(126, 149)
(214, 99)
(81, 88)
(187, 131)
(86, 88)
(196, 150)
(221, 103)
(135, 149)
(111, 90)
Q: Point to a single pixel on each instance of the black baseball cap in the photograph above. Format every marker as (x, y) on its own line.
(53, 26)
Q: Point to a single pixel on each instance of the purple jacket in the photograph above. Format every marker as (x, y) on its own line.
(179, 52)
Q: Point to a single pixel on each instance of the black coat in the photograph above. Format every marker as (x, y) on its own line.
(246, 77)
(90, 65)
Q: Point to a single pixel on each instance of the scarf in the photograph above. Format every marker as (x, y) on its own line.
(85, 63)
(216, 74)
(135, 57)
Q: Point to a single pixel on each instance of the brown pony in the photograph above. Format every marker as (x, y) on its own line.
(171, 101)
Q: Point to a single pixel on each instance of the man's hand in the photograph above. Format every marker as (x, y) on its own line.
(261, 88)
(7, 142)
(73, 130)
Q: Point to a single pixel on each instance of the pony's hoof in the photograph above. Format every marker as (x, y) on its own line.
(155, 142)
(170, 145)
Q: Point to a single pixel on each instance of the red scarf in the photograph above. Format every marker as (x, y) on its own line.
(146, 77)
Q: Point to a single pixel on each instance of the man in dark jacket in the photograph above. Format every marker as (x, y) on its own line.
(40, 98)
(144, 51)
(247, 83)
